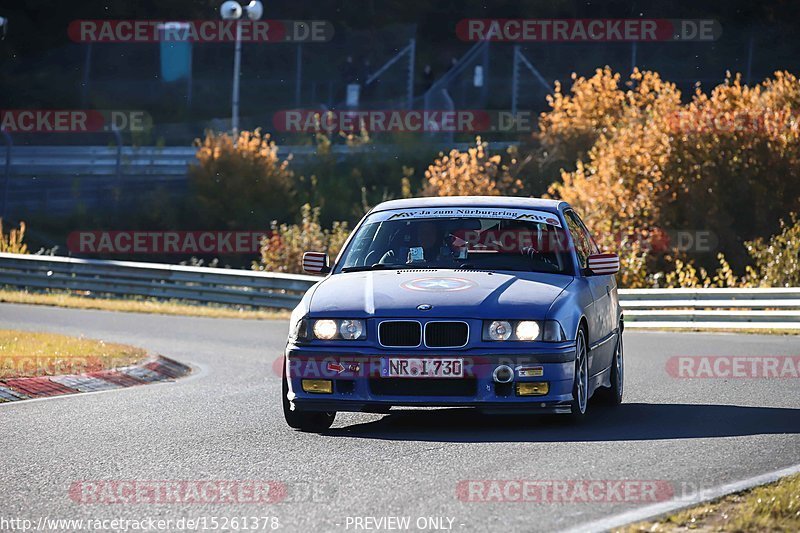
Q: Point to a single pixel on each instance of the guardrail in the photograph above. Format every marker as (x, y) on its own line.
(155, 280)
(772, 308)
(644, 308)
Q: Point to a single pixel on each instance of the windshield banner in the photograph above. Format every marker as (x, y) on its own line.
(467, 212)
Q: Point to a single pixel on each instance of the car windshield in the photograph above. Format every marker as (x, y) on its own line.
(459, 243)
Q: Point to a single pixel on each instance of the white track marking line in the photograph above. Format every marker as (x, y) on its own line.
(658, 509)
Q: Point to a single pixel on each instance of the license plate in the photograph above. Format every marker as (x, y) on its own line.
(427, 367)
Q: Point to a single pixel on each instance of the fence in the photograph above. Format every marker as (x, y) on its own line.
(59, 179)
(644, 308)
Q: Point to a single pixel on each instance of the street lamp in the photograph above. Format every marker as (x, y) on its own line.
(232, 10)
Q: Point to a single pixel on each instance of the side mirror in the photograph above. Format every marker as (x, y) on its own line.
(316, 263)
(603, 264)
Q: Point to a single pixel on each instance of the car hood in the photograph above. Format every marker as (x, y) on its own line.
(450, 293)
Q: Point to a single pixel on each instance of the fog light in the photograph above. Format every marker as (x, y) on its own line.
(318, 386)
(503, 374)
(536, 388)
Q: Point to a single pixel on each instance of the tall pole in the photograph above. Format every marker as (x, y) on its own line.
(298, 81)
(410, 89)
(189, 87)
(485, 88)
(87, 68)
(237, 64)
(514, 80)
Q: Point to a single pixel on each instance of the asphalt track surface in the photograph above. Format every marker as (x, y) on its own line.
(225, 423)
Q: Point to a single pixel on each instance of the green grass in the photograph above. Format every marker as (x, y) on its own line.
(771, 508)
(29, 354)
(76, 300)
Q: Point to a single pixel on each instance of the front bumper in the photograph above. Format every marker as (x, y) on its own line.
(358, 385)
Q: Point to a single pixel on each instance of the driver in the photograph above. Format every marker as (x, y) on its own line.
(420, 242)
(429, 240)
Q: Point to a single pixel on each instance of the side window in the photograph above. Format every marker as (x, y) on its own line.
(592, 244)
(584, 245)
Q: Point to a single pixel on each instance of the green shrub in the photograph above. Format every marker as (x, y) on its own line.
(283, 250)
(239, 185)
(777, 261)
(11, 243)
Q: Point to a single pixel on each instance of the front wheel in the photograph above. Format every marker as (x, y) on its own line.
(580, 383)
(304, 420)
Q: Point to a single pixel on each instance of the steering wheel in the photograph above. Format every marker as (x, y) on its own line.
(366, 258)
(534, 254)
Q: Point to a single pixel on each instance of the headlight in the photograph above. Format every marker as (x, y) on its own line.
(348, 329)
(523, 330)
(499, 330)
(527, 330)
(351, 329)
(325, 329)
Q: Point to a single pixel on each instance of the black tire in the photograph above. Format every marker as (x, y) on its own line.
(312, 421)
(580, 381)
(612, 396)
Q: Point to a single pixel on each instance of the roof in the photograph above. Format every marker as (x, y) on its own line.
(514, 202)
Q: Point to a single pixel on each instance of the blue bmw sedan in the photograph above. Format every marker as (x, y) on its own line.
(502, 304)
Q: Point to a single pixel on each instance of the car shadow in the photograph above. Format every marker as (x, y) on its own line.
(627, 422)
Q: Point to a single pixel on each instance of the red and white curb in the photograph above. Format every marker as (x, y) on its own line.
(157, 369)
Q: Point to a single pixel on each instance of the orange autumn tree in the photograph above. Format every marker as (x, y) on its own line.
(12, 242)
(728, 162)
(577, 119)
(239, 185)
(473, 172)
